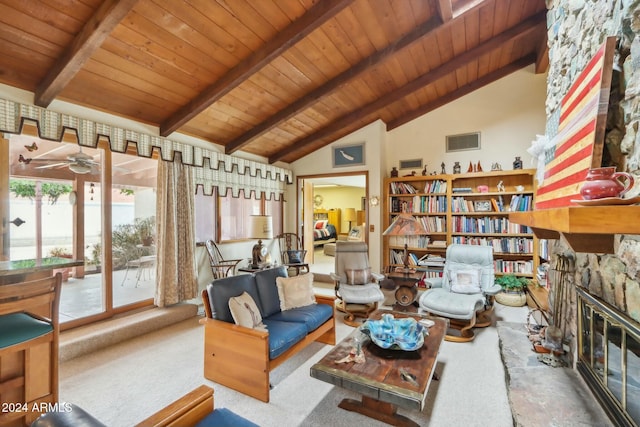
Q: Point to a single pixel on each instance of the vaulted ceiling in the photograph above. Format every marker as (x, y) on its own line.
(276, 78)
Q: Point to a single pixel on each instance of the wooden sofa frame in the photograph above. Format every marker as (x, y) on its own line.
(186, 411)
(238, 357)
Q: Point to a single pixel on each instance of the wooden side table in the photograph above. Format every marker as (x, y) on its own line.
(406, 285)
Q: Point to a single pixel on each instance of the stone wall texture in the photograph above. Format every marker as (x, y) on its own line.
(576, 29)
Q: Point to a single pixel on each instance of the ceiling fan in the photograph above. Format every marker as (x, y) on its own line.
(79, 162)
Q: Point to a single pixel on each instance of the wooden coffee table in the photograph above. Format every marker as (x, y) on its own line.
(382, 379)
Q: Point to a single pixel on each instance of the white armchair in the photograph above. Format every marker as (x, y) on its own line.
(356, 286)
(465, 292)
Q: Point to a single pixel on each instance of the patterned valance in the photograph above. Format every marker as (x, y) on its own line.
(211, 168)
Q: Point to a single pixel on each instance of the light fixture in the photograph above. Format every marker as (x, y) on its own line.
(260, 228)
(350, 215)
(405, 225)
(79, 168)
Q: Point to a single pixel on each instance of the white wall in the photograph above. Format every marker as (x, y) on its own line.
(508, 113)
(320, 162)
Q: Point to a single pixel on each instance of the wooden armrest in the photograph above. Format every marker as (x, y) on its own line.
(186, 411)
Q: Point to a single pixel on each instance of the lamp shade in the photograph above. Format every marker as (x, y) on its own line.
(261, 227)
(405, 225)
(350, 214)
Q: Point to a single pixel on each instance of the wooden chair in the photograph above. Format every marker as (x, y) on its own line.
(292, 253)
(220, 267)
(29, 347)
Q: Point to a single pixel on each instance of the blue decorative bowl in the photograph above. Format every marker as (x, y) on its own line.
(395, 334)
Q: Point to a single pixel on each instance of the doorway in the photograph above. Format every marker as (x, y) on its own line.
(331, 207)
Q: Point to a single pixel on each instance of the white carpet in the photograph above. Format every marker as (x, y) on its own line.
(127, 382)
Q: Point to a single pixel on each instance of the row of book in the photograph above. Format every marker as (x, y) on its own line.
(508, 245)
(521, 267)
(397, 257)
(411, 241)
(520, 202)
(464, 224)
(433, 224)
(420, 204)
(435, 187)
(402, 188)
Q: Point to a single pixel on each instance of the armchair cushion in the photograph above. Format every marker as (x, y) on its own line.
(361, 294)
(358, 276)
(441, 302)
(295, 291)
(465, 281)
(245, 312)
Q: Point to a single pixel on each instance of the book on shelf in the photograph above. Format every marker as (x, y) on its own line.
(462, 190)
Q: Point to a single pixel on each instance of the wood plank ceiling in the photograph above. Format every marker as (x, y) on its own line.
(276, 78)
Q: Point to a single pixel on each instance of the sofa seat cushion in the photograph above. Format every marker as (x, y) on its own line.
(312, 316)
(20, 327)
(223, 417)
(267, 289)
(441, 302)
(221, 290)
(283, 335)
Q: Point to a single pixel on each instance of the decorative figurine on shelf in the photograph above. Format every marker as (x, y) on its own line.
(413, 173)
(456, 167)
(496, 166)
(500, 187)
(470, 169)
(517, 163)
(478, 167)
(394, 172)
(442, 170)
(424, 170)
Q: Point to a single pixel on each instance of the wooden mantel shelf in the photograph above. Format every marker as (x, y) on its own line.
(586, 228)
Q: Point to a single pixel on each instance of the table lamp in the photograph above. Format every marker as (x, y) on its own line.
(260, 228)
(350, 215)
(405, 225)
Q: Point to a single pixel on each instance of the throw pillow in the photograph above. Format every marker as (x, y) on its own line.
(295, 257)
(465, 281)
(321, 223)
(245, 312)
(296, 291)
(358, 277)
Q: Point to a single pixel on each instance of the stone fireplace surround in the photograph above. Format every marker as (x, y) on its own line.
(576, 28)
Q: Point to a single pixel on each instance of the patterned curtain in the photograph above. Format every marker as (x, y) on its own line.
(176, 266)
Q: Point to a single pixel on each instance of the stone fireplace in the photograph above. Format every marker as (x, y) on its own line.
(601, 309)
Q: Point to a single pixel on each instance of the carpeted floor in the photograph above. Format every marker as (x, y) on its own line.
(126, 382)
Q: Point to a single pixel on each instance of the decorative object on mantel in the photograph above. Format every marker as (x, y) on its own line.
(478, 167)
(608, 201)
(424, 170)
(581, 113)
(500, 187)
(456, 168)
(470, 168)
(442, 169)
(605, 183)
(394, 172)
(517, 163)
(395, 333)
(496, 166)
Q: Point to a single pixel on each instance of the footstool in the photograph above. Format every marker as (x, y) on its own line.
(329, 249)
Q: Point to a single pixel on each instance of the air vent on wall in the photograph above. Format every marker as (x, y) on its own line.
(411, 164)
(463, 142)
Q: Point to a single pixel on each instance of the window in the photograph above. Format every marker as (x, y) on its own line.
(234, 213)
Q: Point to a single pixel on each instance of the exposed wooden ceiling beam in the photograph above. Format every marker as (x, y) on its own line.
(334, 84)
(315, 17)
(314, 96)
(445, 9)
(462, 91)
(90, 38)
(542, 52)
(519, 30)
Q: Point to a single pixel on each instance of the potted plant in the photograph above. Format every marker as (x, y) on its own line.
(146, 229)
(60, 252)
(513, 290)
